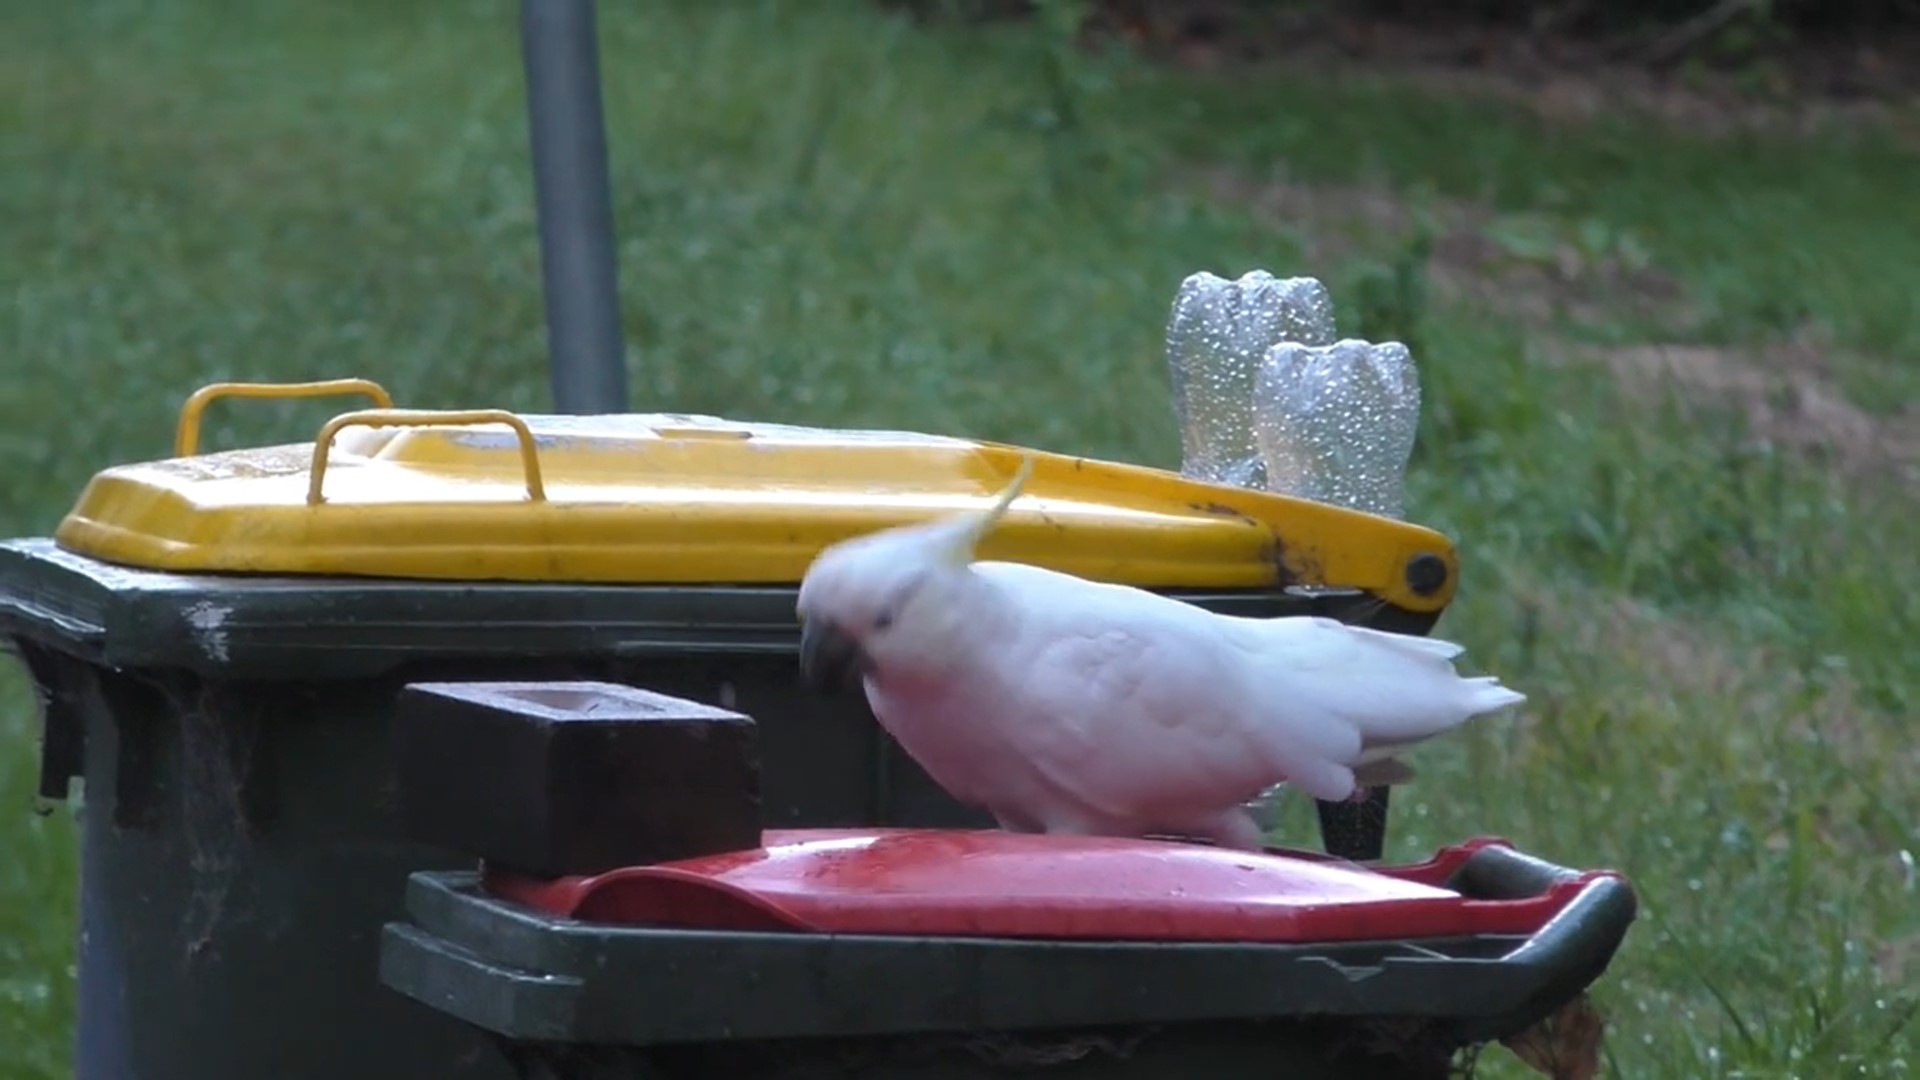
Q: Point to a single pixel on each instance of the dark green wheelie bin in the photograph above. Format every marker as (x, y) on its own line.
(624, 938)
(218, 640)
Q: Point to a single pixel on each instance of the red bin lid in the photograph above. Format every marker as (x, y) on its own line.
(964, 883)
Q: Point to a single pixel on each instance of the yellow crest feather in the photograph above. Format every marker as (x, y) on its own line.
(977, 526)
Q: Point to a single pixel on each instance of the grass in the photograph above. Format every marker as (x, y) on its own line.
(838, 218)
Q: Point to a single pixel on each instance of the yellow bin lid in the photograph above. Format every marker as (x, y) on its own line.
(674, 499)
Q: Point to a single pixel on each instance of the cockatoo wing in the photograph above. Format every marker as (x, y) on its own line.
(1397, 689)
(1136, 704)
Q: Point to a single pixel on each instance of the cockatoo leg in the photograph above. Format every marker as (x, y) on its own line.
(1267, 807)
(1327, 781)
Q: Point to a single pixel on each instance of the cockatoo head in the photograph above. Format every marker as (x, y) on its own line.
(885, 601)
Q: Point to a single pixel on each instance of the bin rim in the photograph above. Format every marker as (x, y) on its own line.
(526, 974)
(956, 883)
(268, 625)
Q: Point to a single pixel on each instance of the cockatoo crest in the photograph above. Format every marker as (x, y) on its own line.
(956, 538)
(855, 593)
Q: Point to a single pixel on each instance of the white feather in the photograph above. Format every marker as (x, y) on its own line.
(1067, 705)
(1088, 707)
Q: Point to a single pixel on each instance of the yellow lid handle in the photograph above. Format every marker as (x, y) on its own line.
(186, 436)
(323, 443)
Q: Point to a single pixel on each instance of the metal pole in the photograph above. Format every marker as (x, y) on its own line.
(577, 267)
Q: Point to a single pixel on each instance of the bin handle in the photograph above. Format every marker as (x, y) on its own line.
(323, 443)
(186, 435)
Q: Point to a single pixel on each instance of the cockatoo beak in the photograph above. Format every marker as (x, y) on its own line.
(829, 658)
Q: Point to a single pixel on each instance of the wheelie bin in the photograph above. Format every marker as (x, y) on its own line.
(623, 938)
(218, 640)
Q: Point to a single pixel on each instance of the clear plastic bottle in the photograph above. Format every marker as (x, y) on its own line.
(1218, 335)
(1268, 399)
(1336, 423)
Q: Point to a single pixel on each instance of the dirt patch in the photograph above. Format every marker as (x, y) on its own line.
(1708, 111)
(1758, 698)
(1542, 275)
(1696, 77)
(1784, 393)
(1670, 650)
(1566, 1045)
(1692, 660)
(1529, 268)
(1735, 70)
(1566, 80)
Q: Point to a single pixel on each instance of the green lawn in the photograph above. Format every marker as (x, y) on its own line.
(837, 218)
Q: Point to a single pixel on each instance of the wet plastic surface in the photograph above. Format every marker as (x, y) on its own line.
(570, 996)
(953, 883)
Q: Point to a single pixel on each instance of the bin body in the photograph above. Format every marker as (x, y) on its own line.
(236, 857)
(1284, 965)
(240, 849)
(219, 647)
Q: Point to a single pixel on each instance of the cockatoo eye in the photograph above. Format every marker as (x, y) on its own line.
(883, 620)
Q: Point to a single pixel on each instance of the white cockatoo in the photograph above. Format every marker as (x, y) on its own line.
(1062, 705)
